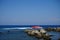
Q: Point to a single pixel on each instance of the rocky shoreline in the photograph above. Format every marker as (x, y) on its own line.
(39, 35)
(57, 29)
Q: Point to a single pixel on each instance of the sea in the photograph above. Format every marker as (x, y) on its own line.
(16, 32)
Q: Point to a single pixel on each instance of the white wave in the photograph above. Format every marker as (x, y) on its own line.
(17, 28)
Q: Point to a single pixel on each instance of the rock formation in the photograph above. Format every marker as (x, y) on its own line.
(39, 34)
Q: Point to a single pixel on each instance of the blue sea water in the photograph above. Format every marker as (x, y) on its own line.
(19, 34)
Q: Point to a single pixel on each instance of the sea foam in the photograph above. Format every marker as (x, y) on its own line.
(17, 28)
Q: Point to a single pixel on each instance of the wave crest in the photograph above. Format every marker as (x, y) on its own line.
(17, 28)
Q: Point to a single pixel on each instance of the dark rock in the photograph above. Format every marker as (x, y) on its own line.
(58, 38)
(38, 36)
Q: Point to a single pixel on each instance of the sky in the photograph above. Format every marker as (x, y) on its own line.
(29, 12)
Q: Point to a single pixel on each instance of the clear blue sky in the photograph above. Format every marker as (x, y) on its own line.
(29, 12)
